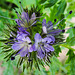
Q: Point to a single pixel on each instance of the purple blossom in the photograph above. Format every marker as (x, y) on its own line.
(42, 45)
(23, 44)
(48, 28)
(24, 20)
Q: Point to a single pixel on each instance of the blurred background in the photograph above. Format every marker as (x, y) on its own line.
(64, 63)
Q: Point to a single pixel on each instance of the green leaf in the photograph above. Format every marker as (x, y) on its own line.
(51, 3)
(71, 62)
(42, 1)
(54, 66)
(9, 69)
(57, 50)
(61, 7)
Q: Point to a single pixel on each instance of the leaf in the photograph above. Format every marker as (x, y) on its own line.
(71, 62)
(42, 1)
(57, 50)
(9, 69)
(51, 3)
(54, 66)
(71, 42)
(61, 7)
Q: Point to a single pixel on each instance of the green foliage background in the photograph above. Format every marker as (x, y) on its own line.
(51, 9)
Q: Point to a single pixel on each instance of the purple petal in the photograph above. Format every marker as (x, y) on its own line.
(44, 22)
(48, 48)
(31, 49)
(22, 29)
(40, 54)
(17, 45)
(17, 21)
(44, 29)
(37, 37)
(47, 39)
(33, 17)
(34, 47)
(24, 51)
(27, 39)
(52, 37)
(20, 22)
(25, 15)
(49, 24)
(21, 36)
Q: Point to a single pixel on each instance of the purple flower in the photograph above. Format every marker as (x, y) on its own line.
(48, 28)
(23, 45)
(24, 20)
(42, 45)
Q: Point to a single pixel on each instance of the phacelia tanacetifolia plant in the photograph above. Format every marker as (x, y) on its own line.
(30, 39)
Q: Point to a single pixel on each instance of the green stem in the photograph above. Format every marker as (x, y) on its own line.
(67, 46)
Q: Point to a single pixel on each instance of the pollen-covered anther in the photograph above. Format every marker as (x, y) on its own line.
(70, 12)
(63, 30)
(13, 58)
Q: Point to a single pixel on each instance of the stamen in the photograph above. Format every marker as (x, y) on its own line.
(70, 12)
(7, 17)
(15, 11)
(29, 60)
(11, 37)
(30, 43)
(21, 6)
(61, 20)
(20, 2)
(63, 30)
(74, 27)
(6, 43)
(55, 20)
(13, 58)
(67, 29)
(20, 18)
(32, 24)
(44, 35)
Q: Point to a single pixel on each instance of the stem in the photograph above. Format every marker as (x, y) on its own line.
(67, 46)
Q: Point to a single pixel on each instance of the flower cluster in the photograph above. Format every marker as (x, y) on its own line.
(41, 44)
(29, 45)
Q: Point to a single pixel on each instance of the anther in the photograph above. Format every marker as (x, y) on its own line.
(13, 58)
(63, 31)
(6, 43)
(20, 2)
(11, 37)
(16, 11)
(46, 41)
(74, 27)
(55, 20)
(42, 44)
(34, 25)
(29, 60)
(16, 21)
(30, 43)
(70, 12)
(44, 35)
